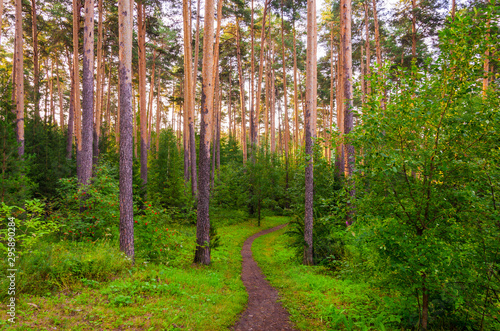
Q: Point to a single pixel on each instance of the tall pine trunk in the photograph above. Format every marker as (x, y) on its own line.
(71, 116)
(99, 74)
(261, 72)
(59, 91)
(242, 91)
(36, 65)
(19, 80)
(348, 109)
(76, 86)
(295, 89)
(311, 68)
(202, 254)
(87, 93)
(125, 10)
(141, 23)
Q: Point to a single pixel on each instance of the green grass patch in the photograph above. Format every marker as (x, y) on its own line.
(316, 299)
(172, 296)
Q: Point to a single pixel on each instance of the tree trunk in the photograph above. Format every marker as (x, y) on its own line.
(261, 72)
(252, 83)
(367, 49)
(99, 74)
(59, 91)
(339, 160)
(1, 19)
(332, 82)
(285, 104)
(202, 254)
(51, 84)
(125, 10)
(229, 104)
(19, 81)
(141, 23)
(71, 116)
(273, 101)
(309, 116)
(295, 89)
(87, 93)
(36, 66)
(191, 114)
(158, 118)
(151, 97)
(414, 29)
(348, 110)
(242, 92)
(76, 76)
(108, 102)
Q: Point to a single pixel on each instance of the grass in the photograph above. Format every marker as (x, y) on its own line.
(315, 299)
(176, 296)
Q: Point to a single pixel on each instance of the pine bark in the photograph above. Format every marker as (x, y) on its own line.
(261, 72)
(367, 49)
(99, 74)
(309, 127)
(295, 89)
(285, 95)
(332, 84)
(51, 88)
(59, 91)
(202, 254)
(188, 75)
(87, 94)
(252, 78)
(76, 85)
(71, 115)
(125, 10)
(348, 110)
(158, 118)
(19, 80)
(141, 23)
(242, 91)
(36, 65)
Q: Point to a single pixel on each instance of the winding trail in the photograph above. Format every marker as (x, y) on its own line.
(263, 312)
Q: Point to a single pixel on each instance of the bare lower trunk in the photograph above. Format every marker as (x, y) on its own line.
(88, 94)
(202, 254)
(348, 110)
(59, 91)
(295, 90)
(126, 158)
(285, 103)
(99, 74)
(309, 128)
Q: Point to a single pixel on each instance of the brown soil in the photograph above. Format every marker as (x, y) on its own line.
(263, 312)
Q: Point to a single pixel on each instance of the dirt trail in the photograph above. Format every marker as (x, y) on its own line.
(263, 312)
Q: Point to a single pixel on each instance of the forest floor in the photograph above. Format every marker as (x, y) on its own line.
(264, 311)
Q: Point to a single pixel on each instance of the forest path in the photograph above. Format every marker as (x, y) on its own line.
(263, 312)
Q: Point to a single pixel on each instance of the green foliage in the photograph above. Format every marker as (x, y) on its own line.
(427, 215)
(30, 226)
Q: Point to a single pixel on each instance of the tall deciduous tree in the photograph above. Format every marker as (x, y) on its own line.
(202, 254)
(126, 149)
(87, 94)
(311, 69)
